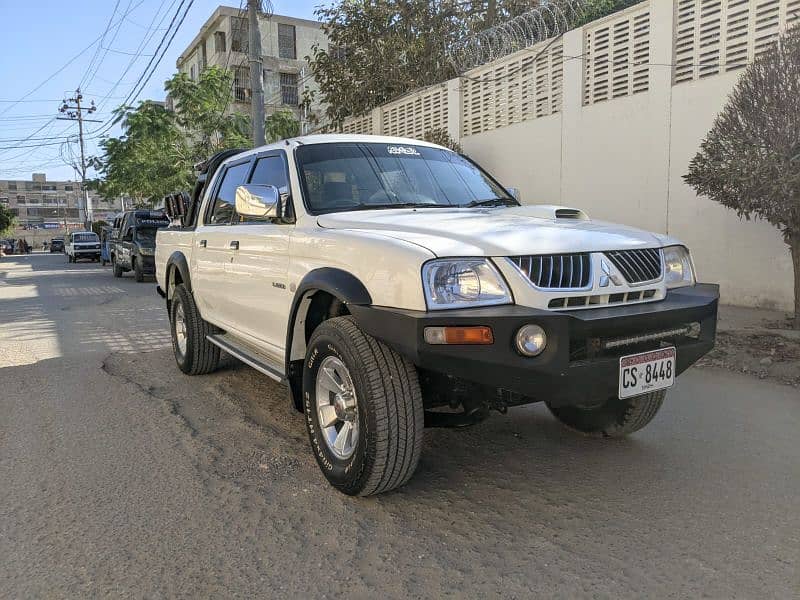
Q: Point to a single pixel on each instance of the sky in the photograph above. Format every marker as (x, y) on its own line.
(54, 47)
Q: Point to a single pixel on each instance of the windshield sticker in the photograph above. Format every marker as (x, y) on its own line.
(406, 150)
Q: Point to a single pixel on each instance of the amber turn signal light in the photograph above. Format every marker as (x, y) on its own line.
(458, 335)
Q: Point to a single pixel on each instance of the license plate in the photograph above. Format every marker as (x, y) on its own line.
(646, 372)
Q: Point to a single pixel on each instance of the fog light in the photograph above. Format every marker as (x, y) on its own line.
(531, 340)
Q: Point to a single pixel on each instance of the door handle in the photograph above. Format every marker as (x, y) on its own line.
(234, 245)
(202, 243)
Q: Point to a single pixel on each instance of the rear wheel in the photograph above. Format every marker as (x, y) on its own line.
(194, 354)
(363, 409)
(613, 417)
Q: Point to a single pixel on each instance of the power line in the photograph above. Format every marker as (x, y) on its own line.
(100, 46)
(154, 63)
(61, 68)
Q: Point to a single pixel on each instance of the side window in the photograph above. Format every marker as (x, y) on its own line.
(225, 202)
(270, 170)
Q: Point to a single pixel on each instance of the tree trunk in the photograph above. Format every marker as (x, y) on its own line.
(794, 244)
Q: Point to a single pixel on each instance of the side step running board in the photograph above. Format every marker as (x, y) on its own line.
(249, 355)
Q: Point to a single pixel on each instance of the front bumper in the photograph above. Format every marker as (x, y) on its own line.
(86, 252)
(573, 368)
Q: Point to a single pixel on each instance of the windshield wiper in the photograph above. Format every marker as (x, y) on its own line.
(401, 205)
(492, 202)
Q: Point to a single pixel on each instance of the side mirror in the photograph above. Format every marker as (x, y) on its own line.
(515, 194)
(254, 200)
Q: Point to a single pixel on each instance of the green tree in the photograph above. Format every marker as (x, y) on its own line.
(750, 160)
(378, 50)
(281, 125)
(441, 137)
(97, 226)
(156, 153)
(8, 221)
(596, 9)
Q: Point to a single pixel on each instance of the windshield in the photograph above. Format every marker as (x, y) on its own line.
(358, 176)
(146, 237)
(85, 237)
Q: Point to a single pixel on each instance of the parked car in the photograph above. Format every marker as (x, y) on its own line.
(82, 244)
(393, 283)
(57, 244)
(132, 247)
(7, 246)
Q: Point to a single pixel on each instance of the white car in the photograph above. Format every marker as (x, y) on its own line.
(394, 284)
(82, 244)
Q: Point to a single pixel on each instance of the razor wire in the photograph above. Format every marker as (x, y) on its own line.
(550, 19)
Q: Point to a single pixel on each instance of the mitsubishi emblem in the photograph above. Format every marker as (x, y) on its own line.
(608, 274)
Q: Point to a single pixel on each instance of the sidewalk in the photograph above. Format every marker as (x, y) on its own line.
(756, 342)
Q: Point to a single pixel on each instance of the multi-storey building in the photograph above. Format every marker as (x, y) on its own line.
(37, 202)
(285, 42)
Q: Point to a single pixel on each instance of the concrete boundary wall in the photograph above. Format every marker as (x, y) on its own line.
(628, 99)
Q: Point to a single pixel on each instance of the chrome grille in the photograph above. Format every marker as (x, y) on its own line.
(637, 266)
(556, 271)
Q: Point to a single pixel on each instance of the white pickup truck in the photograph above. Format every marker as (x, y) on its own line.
(394, 284)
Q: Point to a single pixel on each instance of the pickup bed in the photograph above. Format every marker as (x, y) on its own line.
(393, 284)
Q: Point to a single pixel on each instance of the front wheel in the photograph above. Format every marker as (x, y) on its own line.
(613, 417)
(363, 409)
(138, 273)
(116, 267)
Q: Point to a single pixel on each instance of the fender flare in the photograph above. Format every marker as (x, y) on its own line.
(177, 260)
(336, 282)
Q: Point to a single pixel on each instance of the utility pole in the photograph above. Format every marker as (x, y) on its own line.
(256, 82)
(73, 110)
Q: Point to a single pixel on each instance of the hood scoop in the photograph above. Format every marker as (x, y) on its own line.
(554, 212)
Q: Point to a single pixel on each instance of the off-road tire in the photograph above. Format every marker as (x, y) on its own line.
(116, 267)
(612, 418)
(390, 412)
(138, 274)
(201, 356)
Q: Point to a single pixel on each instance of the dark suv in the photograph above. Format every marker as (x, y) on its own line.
(133, 244)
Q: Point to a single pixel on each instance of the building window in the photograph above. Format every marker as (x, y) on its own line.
(4, 201)
(20, 199)
(239, 34)
(338, 53)
(241, 84)
(68, 188)
(219, 41)
(287, 42)
(289, 89)
(191, 72)
(203, 55)
(12, 186)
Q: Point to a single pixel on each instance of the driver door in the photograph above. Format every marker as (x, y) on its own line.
(257, 275)
(213, 250)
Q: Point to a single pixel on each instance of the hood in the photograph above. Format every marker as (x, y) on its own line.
(494, 231)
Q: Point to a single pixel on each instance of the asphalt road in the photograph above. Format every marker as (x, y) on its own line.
(121, 477)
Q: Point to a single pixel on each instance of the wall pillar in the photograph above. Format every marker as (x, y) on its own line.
(454, 109)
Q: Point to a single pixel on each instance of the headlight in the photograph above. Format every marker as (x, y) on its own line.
(678, 269)
(463, 282)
